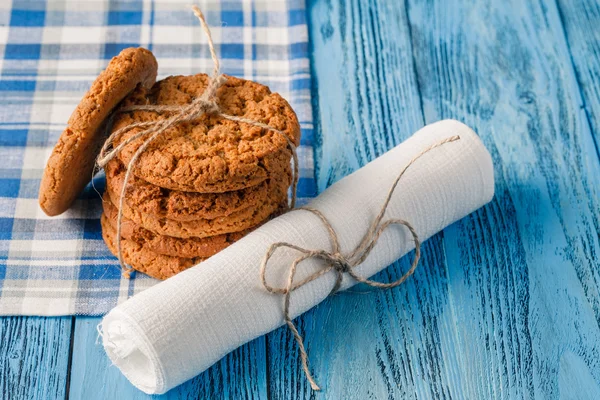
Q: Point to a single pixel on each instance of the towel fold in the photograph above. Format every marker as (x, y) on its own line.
(173, 331)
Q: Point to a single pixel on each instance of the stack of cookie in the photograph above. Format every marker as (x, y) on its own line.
(203, 184)
(200, 186)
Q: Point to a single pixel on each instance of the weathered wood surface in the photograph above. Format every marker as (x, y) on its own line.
(34, 357)
(506, 303)
(524, 272)
(581, 19)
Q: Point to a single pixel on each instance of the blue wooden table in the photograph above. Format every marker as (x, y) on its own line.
(506, 303)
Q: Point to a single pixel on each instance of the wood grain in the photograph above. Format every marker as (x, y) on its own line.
(580, 20)
(240, 375)
(525, 267)
(505, 304)
(34, 357)
(365, 92)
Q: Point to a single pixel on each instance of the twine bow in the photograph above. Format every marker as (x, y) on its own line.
(339, 263)
(204, 104)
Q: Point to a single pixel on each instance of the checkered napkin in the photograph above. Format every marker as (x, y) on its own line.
(49, 55)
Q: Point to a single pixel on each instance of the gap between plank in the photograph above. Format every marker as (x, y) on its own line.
(414, 62)
(70, 360)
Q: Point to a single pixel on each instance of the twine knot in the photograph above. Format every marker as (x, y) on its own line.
(339, 262)
(206, 107)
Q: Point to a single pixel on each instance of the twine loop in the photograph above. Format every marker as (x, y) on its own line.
(339, 262)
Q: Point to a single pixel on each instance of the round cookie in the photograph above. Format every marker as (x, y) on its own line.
(210, 154)
(235, 222)
(187, 206)
(71, 164)
(168, 245)
(141, 259)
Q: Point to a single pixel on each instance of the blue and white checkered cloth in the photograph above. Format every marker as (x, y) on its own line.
(50, 52)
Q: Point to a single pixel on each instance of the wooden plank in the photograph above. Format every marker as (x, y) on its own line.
(523, 273)
(505, 304)
(379, 344)
(364, 86)
(581, 19)
(34, 357)
(240, 375)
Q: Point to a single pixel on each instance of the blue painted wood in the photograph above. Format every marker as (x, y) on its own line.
(581, 19)
(505, 304)
(526, 299)
(240, 375)
(34, 357)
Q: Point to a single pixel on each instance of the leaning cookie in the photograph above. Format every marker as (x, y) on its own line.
(168, 245)
(71, 163)
(141, 259)
(210, 154)
(188, 206)
(235, 222)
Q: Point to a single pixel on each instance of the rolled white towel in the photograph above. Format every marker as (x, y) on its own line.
(173, 331)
